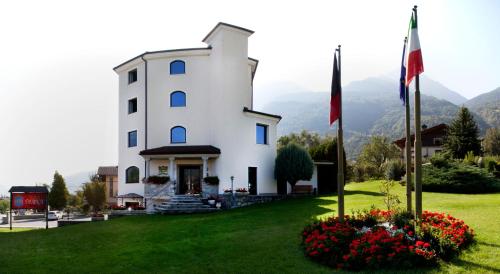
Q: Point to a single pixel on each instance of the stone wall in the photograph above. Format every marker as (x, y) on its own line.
(209, 190)
(241, 199)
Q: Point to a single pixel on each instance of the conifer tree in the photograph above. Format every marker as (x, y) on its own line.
(293, 163)
(463, 135)
(58, 196)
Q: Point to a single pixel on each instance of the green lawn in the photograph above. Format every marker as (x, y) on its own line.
(258, 239)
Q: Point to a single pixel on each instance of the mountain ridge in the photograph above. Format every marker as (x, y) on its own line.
(371, 107)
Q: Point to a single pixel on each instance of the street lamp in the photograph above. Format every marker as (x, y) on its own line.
(232, 191)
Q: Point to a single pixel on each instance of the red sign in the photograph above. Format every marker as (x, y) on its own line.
(29, 200)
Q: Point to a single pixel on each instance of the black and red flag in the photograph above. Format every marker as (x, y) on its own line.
(336, 92)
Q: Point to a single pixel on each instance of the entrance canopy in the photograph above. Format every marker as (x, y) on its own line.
(182, 150)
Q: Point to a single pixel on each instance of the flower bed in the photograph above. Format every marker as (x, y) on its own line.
(372, 240)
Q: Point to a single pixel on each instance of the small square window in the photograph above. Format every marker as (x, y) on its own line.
(132, 105)
(261, 134)
(132, 76)
(132, 138)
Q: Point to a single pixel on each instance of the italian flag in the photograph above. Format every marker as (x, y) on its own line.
(414, 64)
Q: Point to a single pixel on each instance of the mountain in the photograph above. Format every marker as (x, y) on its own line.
(370, 106)
(487, 105)
(432, 88)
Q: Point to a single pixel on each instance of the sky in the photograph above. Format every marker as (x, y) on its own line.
(59, 94)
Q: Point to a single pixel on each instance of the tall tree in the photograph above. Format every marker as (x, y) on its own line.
(377, 152)
(463, 135)
(491, 142)
(293, 163)
(94, 193)
(305, 139)
(58, 195)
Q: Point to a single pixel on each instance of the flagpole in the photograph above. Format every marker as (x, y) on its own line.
(340, 150)
(418, 143)
(408, 147)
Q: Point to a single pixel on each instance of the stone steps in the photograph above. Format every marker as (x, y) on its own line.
(184, 204)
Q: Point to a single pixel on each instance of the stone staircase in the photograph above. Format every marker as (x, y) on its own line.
(184, 204)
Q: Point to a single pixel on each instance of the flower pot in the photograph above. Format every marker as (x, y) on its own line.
(211, 202)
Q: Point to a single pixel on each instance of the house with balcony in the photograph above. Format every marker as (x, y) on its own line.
(187, 114)
(432, 141)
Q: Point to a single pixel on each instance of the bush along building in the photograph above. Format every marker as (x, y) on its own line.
(187, 124)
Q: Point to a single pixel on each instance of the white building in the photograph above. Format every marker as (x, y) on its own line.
(188, 113)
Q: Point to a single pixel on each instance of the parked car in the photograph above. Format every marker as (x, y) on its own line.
(53, 216)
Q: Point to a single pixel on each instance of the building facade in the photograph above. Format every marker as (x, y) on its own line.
(432, 141)
(187, 114)
(109, 175)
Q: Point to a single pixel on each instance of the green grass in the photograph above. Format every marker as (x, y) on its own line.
(259, 239)
(14, 229)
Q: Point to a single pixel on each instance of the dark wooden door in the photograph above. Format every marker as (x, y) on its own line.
(189, 180)
(252, 180)
(327, 179)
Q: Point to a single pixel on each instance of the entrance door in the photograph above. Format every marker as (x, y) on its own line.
(189, 180)
(327, 179)
(252, 180)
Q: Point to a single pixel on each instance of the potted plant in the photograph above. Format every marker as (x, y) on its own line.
(157, 180)
(241, 191)
(211, 180)
(211, 201)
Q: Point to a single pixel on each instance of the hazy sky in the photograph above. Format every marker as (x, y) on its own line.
(58, 93)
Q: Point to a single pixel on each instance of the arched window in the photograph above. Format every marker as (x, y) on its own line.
(178, 135)
(177, 99)
(132, 175)
(177, 67)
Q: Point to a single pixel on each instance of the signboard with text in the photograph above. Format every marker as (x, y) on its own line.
(29, 200)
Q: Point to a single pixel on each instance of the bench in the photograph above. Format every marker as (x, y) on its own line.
(302, 189)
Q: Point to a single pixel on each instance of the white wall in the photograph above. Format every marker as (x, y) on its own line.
(128, 122)
(218, 85)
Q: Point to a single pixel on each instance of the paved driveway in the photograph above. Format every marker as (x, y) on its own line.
(34, 223)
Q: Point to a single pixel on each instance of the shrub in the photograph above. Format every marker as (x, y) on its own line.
(394, 170)
(157, 180)
(447, 235)
(458, 178)
(391, 199)
(469, 159)
(292, 164)
(491, 163)
(357, 173)
(440, 160)
(381, 243)
(4, 206)
(211, 180)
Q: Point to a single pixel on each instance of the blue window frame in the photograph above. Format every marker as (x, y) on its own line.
(132, 175)
(177, 67)
(261, 131)
(177, 99)
(178, 135)
(132, 138)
